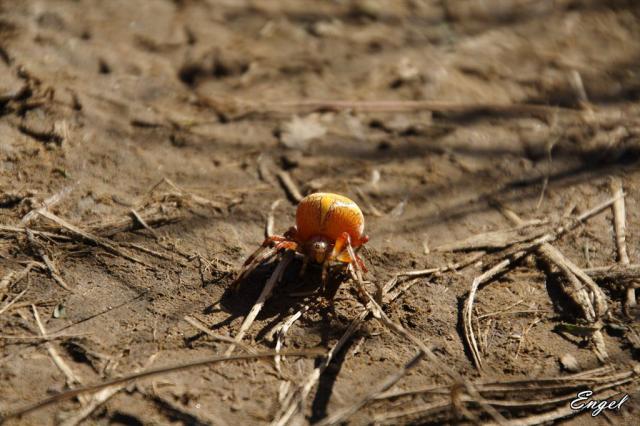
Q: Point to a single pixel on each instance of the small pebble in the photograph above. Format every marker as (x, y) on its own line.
(569, 363)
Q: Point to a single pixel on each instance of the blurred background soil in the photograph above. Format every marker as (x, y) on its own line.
(101, 100)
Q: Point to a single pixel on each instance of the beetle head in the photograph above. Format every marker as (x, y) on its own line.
(318, 249)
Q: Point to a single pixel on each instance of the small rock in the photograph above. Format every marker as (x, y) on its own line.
(569, 363)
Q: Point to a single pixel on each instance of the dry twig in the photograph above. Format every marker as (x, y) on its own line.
(72, 378)
(282, 331)
(87, 237)
(197, 324)
(12, 278)
(619, 221)
(49, 202)
(53, 271)
(289, 186)
(268, 228)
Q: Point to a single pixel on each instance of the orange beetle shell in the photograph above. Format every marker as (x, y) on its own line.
(329, 215)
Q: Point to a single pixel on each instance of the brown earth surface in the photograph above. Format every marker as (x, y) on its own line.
(100, 101)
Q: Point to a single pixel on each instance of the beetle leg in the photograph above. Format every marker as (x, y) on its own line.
(341, 253)
(325, 274)
(305, 262)
(275, 241)
(339, 247)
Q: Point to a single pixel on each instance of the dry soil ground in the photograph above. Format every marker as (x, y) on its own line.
(102, 100)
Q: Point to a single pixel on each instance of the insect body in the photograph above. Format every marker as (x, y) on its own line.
(329, 229)
(325, 223)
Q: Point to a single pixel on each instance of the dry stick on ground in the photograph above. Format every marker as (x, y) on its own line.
(153, 253)
(72, 379)
(505, 238)
(85, 236)
(15, 299)
(196, 198)
(619, 221)
(615, 272)
(275, 277)
(43, 338)
(282, 331)
(12, 278)
(367, 203)
(200, 326)
(268, 228)
(13, 230)
(294, 400)
(170, 210)
(296, 397)
(144, 224)
(289, 186)
(49, 202)
(53, 271)
(498, 239)
(153, 216)
(149, 373)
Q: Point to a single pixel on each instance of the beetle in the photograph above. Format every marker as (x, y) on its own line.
(329, 229)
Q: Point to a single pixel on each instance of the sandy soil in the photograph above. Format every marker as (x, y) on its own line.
(102, 100)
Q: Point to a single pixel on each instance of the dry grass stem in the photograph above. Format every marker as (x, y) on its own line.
(144, 224)
(615, 272)
(53, 271)
(12, 278)
(620, 224)
(49, 202)
(498, 239)
(282, 331)
(268, 228)
(289, 186)
(368, 205)
(13, 301)
(219, 337)
(13, 230)
(87, 237)
(72, 378)
(578, 286)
